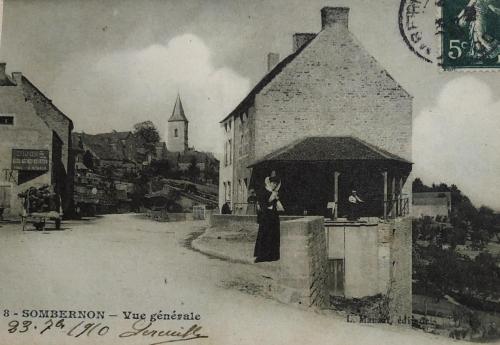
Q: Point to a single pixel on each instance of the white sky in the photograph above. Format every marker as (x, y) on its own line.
(110, 64)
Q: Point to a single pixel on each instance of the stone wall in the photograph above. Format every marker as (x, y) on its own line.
(62, 126)
(303, 272)
(400, 292)
(28, 132)
(377, 258)
(334, 87)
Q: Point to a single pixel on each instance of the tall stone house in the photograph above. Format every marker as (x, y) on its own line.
(329, 119)
(35, 141)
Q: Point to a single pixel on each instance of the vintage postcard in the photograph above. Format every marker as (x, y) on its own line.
(249, 172)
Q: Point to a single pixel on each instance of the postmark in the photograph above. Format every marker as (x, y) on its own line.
(470, 35)
(417, 22)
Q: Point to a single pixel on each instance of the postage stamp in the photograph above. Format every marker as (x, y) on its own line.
(470, 36)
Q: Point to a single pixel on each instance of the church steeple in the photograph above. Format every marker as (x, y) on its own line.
(177, 139)
(178, 112)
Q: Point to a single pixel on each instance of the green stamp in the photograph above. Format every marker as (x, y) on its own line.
(470, 34)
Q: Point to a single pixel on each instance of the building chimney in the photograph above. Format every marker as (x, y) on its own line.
(272, 60)
(299, 39)
(334, 16)
(17, 76)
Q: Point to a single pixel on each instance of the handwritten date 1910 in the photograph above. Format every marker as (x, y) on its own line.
(82, 328)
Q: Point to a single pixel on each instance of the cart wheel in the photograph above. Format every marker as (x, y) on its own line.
(58, 223)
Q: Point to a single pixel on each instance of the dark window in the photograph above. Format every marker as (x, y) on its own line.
(6, 120)
(336, 276)
(176, 133)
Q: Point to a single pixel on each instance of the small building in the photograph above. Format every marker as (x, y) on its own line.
(35, 142)
(431, 204)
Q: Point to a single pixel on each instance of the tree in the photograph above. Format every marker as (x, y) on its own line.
(146, 131)
(193, 170)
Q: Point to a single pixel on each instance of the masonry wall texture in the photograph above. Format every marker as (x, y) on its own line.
(28, 132)
(61, 125)
(179, 143)
(56, 120)
(377, 257)
(302, 273)
(401, 270)
(334, 87)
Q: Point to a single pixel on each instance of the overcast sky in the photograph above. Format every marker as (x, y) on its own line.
(109, 64)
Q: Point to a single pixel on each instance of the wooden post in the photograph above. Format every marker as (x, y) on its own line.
(400, 182)
(393, 193)
(384, 173)
(336, 175)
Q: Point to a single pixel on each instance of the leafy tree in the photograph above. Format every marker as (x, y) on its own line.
(193, 171)
(148, 133)
(88, 160)
(161, 168)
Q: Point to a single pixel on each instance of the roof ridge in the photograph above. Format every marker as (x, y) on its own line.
(268, 77)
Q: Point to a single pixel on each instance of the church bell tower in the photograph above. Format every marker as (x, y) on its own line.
(177, 139)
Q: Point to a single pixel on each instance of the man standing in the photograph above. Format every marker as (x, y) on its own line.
(354, 205)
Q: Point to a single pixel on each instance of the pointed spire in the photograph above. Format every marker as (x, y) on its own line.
(178, 112)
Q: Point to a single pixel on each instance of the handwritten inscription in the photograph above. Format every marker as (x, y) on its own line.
(146, 327)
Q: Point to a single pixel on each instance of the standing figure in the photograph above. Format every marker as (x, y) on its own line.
(267, 246)
(354, 205)
(226, 209)
(252, 202)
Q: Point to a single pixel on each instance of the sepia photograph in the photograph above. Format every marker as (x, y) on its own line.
(249, 172)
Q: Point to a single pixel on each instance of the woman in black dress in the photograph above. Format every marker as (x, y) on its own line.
(267, 246)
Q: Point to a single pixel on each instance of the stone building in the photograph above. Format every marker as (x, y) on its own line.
(328, 119)
(431, 204)
(35, 141)
(177, 137)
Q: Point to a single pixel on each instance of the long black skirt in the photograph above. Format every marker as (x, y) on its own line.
(267, 246)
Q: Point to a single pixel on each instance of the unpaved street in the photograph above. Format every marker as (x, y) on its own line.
(122, 263)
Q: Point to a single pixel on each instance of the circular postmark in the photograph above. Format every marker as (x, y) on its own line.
(417, 25)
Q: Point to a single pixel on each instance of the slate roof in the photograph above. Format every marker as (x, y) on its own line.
(178, 112)
(324, 149)
(100, 145)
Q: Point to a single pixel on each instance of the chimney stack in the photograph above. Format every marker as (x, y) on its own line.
(299, 39)
(272, 60)
(17, 76)
(334, 16)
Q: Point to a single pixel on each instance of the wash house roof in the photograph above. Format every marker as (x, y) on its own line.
(325, 149)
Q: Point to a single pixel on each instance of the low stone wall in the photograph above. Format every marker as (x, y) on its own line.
(302, 277)
(302, 269)
(232, 221)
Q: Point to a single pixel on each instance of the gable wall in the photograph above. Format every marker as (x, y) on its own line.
(334, 87)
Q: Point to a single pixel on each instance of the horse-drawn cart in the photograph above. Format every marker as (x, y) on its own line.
(40, 219)
(41, 205)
